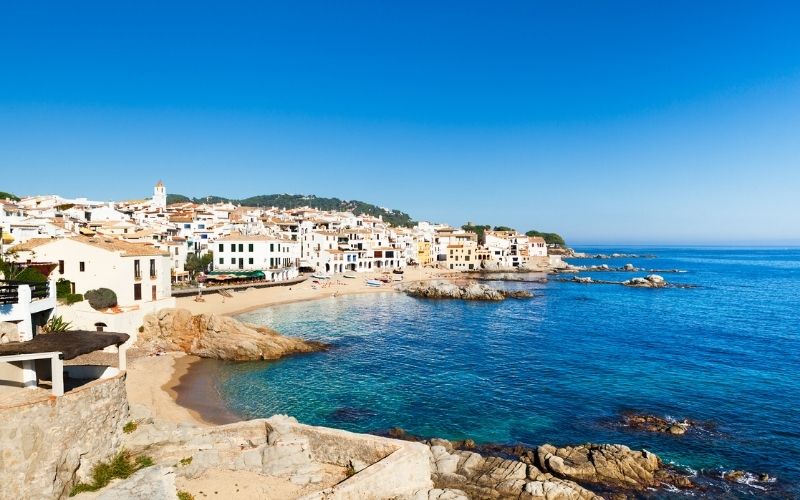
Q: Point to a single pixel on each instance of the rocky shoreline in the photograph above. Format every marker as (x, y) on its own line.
(585, 471)
(474, 291)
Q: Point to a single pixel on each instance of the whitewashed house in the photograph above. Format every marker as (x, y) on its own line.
(278, 258)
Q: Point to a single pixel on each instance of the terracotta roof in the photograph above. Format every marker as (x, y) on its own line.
(126, 248)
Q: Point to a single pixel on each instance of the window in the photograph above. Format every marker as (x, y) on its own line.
(221, 260)
(233, 247)
(137, 272)
(60, 267)
(203, 236)
(137, 290)
(272, 247)
(154, 295)
(233, 260)
(250, 248)
(250, 260)
(241, 247)
(152, 268)
(221, 247)
(82, 266)
(187, 226)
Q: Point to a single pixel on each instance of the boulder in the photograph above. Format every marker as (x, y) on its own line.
(216, 336)
(653, 423)
(649, 281)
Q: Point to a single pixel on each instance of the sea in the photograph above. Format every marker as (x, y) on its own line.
(721, 349)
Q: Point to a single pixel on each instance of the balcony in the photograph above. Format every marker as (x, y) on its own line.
(10, 291)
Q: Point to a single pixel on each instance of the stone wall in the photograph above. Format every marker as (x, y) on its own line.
(46, 446)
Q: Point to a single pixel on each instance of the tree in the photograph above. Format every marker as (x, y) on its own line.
(503, 228)
(549, 238)
(477, 229)
(196, 264)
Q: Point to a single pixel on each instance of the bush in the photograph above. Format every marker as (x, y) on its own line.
(130, 427)
(185, 495)
(101, 298)
(63, 288)
(72, 298)
(119, 467)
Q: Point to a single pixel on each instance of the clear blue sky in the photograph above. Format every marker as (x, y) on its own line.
(623, 122)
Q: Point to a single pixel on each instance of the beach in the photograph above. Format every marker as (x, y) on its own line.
(256, 298)
(177, 387)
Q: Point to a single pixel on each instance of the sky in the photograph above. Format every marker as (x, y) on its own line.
(636, 122)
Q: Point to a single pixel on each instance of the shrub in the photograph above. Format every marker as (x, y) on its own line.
(56, 324)
(185, 461)
(72, 298)
(63, 288)
(130, 427)
(101, 298)
(119, 467)
(185, 495)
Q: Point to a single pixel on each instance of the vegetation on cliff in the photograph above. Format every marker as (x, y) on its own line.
(289, 201)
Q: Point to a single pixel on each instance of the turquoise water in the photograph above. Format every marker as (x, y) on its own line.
(562, 367)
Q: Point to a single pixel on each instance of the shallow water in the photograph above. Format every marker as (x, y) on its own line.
(561, 367)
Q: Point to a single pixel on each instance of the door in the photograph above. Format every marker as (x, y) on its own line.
(241, 263)
(137, 291)
(154, 293)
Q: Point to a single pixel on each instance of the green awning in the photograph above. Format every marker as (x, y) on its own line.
(238, 274)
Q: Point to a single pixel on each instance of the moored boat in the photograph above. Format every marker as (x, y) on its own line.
(374, 283)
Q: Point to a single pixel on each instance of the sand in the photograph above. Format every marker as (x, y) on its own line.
(256, 298)
(152, 382)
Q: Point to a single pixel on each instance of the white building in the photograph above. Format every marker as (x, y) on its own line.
(137, 273)
(159, 200)
(278, 258)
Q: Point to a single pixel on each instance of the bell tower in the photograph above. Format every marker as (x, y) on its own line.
(159, 196)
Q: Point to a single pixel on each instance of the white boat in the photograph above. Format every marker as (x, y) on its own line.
(321, 276)
(374, 283)
(350, 275)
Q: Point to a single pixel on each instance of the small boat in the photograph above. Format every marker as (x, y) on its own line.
(350, 275)
(374, 283)
(320, 276)
(398, 271)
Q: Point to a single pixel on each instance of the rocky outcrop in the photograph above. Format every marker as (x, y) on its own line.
(475, 291)
(653, 423)
(608, 465)
(495, 477)
(649, 281)
(150, 483)
(218, 337)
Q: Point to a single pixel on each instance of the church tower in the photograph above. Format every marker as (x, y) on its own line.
(159, 196)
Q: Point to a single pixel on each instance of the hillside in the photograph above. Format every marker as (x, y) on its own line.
(394, 217)
(8, 196)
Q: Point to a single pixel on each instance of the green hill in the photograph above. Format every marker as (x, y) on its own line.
(289, 201)
(8, 196)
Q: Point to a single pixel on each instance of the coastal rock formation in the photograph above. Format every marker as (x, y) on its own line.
(649, 281)
(608, 465)
(218, 337)
(475, 291)
(495, 477)
(652, 423)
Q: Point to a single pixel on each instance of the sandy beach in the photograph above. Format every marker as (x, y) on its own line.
(256, 298)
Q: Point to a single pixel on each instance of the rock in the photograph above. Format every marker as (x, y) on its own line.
(653, 423)
(649, 281)
(218, 337)
(735, 475)
(629, 267)
(764, 477)
(150, 483)
(474, 291)
(608, 465)
(495, 477)
(582, 279)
